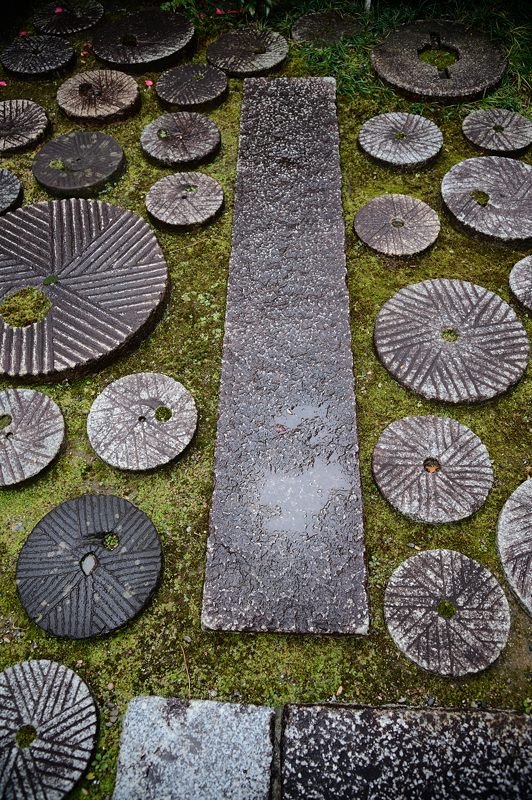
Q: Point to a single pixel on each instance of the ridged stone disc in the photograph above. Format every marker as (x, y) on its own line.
(100, 95)
(182, 139)
(397, 225)
(451, 340)
(54, 701)
(514, 541)
(101, 268)
(10, 191)
(323, 28)
(123, 425)
(192, 86)
(63, 18)
(432, 469)
(497, 130)
(37, 55)
(419, 601)
(22, 124)
(247, 52)
(403, 141)
(521, 282)
(71, 583)
(185, 200)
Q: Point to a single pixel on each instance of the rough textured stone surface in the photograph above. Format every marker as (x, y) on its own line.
(192, 87)
(497, 130)
(179, 750)
(450, 340)
(185, 200)
(397, 225)
(514, 540)
(34, 56)
(22, 124)
(10, 191)
(100, 95)
(248, 51)
(406, 754)
(64, 18)
(521, 282)
(182, 139)
(101, 268)
(58, 705)
(323, 28)
(286, 549)
(73, 581)
(399, 140)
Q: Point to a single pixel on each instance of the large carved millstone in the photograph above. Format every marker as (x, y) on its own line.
(10, 191)
(64, 18)
(399, 140)
(491, 197)
(323, 28)
(452, 341)
(182, 139)
(399, 61)
(247, 52)
(521, 282)
(22, 124)
(498, 131)
(397, 225)
(192, 87)
(48, 730)
(447, 613)
(185, 200)
(514, 541)
(34, 56)
(102, 271)
(89, 566)
(100, 95)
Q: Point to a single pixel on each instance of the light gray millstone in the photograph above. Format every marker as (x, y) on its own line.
(100, 95)
(10, 191)
(497, 130)
(184, 749)
(397, 225)
(22, 124)
(323, 28)
(514, 541)
(400, 140)
(521, 282)
(245, 52)
(185, 138)
(185, 200)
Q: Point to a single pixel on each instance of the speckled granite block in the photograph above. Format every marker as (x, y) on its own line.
(286, 549)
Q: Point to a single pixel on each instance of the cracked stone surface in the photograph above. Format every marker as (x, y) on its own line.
(324, 28)
(185, 200)
(399, 140)
(74, 16)
(182, 139)
(497, 130)
(10, 191)
(22, 124)
(100, 95)
(37, 55)
(286, 548)
(192, 86)
(521, 282)
(397, 225)
(514, 541)
(247, 51)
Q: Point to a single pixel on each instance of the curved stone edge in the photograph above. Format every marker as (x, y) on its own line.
(509, 579)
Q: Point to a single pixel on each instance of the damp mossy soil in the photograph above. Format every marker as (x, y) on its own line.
(164, 651)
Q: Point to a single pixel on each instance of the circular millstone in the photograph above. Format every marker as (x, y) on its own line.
(514, 540)
(405, 141)
(497, 130)
(521, 282)
(37, 55)
(182, 139)
(142, 421)
(89, 566)
(101, 268)
(63, 18)
(451, 340)
(491, 196)
(99, 95)
(192, 86)
(10, 191)
(323, 28)
(246, 52)
(397, 225)
(432, 469)
(48, 729)
(22, 124)
(185, 200)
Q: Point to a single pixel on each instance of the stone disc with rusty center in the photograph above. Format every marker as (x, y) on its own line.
(497, 130)
(192, 87)
(182, 139)
(185, 200)
(142, 421)
(514, 541)
(404, 141)
(63, 18)
(323, 28)
(397, 225)
(89, 566)
(37, 55)
(10, 190)
(22, 124)
(246, 52)
(98, 95)
(452, 341)
(521, 282)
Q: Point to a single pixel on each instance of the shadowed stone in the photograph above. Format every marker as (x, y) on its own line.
(521, 282)
(185, 200)
(100, 95)
(64, 18)
(497, 130)
(192, 86)
(10, 191)
(22, 124)
(248, 51)
(323, 28)
(514, 541)
(182, 139)
(403, 141)
(397, 225)
(34, 56)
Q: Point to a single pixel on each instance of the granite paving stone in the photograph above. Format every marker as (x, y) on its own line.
(99, 95)
(399, 140)
(514, 541)
(22, 124)
(520, 281)
(498, 130)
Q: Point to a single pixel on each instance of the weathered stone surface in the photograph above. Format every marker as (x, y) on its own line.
(34, 56)
(10, 191)
(497, 130)
(323, 28)
(406, 754)
(182, 139)
(514, 540)
(100, 95)
(286, 550)
(248, 51)
(397, 225)
(399, 140)
(22, 124)
(65, 18)
(75, 579)
(452, 341)
(192, 87)
(185, 200)
(521, 282)
(56, 703)
(100, 266)
(180, 750)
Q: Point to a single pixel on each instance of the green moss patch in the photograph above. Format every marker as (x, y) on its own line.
(25, 307)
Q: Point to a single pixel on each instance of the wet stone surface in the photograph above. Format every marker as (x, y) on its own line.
(100, 95)
(323, 28)
(521, 282)
(22, 124)
(64, 18)
(497, 130)
(182, 139)
(246, 52)
(37, 55)
(514, 541)
(397, 225)
(192, 86)
(185, 200)
(10, 191)
(286, 546)
(399, 140)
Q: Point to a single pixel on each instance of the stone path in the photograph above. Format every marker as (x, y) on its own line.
(248, 51)
(514, 541)
(497, 130)
(521, 282)
(35, 56)
(399, 140)
(22, 124)
(184, 139)
(324, 28)
(185, 200)
(100, 95)
(192, 87)
(10, 191)
(397, 225)
(68, 17)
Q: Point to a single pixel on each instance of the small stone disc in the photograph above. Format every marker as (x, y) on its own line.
(497, 130)
(447, 613)
(63, 18)
(404, 141)
(37, 55)
(10, 191)
(192, 86)
(247, 52)
(89, 566)
(100, 95)
(514, 541)
(521, 282)
(432, 469)
(323, 28)
(53, 701)
(185, 200)
(182, 139)
(397, 225)
(22, 124)
(123, 424)
(492, 197)
(451, 340)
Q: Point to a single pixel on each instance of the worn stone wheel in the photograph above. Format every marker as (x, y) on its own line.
(247, 52)
(100, 95)
(521, 282)
(514, 541)
(403, 141)
(497, 130)
(185, 200)
(452, 341)
(48, 730)
(397, 225)
(10, 191)
(323, 28)
(67, 17)
(22, 124)
(182, 139)
(34, 56)
(192, 86)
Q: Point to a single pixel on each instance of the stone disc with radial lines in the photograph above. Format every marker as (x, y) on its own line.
(447, 613)
(22, 124)
(452, 341)
(182, 139)
(98, 95)
(397, 225)
(101, 268)
(70, 578)
(247, 52)
(58, 705)
(497, 130)
(67, 17)
(185, 200)
(323, 28)
(403, 141)
(514, 542)
(521, 282)
(192, 87)
(34, 56)
(10, 191)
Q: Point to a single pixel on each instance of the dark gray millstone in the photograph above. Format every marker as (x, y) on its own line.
(71, 584)
(185, 200)
(403, 141)
(397, 225)
(101, 268)
(348, 753)
(323, 28)
(514, 541)
(182, 139)
(184, 749)
(286, 545)
(192, 87)
(37, 55)
(54, 701)
(74, 16)
(100, 95)
(32, 438)
(521, 282)
(22, 124)
(123, 428)
(462, 644)
(452, 341)
(432, 469)
(10, 191)
(248, 51)
(479, 68)
(497, 130)
(505, 215)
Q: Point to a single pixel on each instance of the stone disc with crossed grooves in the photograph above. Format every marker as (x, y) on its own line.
(521, 282)
(192, 87)
(22, 124)
(182, 139)
(37, 55)
(497, 130)
(89, 566)
(403, 141)
(247, 52)
(99, 95)
(51, 711)
(514, 541)
(185, 200)
(63, 18)
(397, 225)
(10, 191)
(323, 28)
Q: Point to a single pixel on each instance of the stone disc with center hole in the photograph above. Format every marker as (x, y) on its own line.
(37, 55)
(63, 18)
(142, 421)
(185, 200)
(397, 225)
(497, 130)
(323, 28)
(182, 139)
(10, 191)
(404, 141)
(101, 269)
(22, 124)
(447, 613)
(247, 52)
(521, 282)
(48, 730)
(89, 566)
(78, 164)
(432, 469)
(99, 95)
(514, 542)
(492, 197)
(451, 340)
(192, 86)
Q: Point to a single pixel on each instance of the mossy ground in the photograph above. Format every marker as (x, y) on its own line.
(165, 651)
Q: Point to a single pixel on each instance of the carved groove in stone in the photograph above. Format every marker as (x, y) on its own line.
(514, 542)
(185, 200)
(99, 95)
(74, 16)
(521, 282)
(10, 191)
(403, 141)
(323, 28)
(37, 55)
(22, 124)
(497, 130)
(247, 52)
(397, 225)
(182, 139)
(192, 87)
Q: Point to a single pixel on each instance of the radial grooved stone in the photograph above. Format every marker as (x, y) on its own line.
(22, 124)
(10, 191)
(521, 282)
(185, 200)
(399, 140)
(100, 95)
(497, 130)
(514, 540)
(397, 225)
(182, 139)
(247, 51)
(323, 28)
(34, 56)
(286, 547)
(192, 87)
(68, 17)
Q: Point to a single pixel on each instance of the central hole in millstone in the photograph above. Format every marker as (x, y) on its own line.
(400, 135)
(259, 51)
(191, 189)
(446, 609)
(57, 163)
(110, 540)
(163, 414)
(431, 465)
(36, 51)
(26, 735)
(398, 223)
(199, 76)
(5, 420)
(142, 418)
(129, 40)
(498, 128)
(88, 563)
(438, 55)
(480, 197)
(450, 335)
(25, 307)
(162, 133)
(88, 90)
(50, 280)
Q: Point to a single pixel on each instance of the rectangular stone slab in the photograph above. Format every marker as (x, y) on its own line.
(286, 548)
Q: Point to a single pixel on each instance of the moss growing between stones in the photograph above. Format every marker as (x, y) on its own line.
(25, 307)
